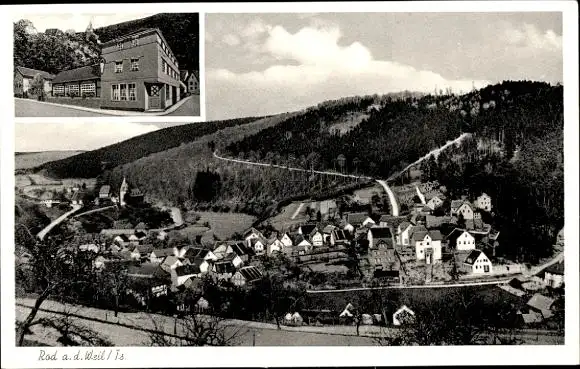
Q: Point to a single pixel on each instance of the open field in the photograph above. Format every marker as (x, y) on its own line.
(284, 221)
(34, 184)
(364, 195)
(224, 225)
(26, 160)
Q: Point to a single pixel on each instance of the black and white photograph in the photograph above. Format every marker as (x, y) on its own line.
(104, 65)
(386, 180)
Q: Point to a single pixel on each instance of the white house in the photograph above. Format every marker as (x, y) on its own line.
(434, 202)
(474, 262)
(483, 202)
(466, 210)
(316, 238)
(461, 240)
(193, 83)
(252, 233)
(427, 245)
(303, 242)
(258, 245)
(403, 315)
(348, 311)
(286, 240)
(554, 275)
(274, 245)
(403, 233)
(349, 228)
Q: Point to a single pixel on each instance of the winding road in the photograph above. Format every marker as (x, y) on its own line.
(57, 221)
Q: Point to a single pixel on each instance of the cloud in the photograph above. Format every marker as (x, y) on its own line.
(529, 36)
(74, 136)
(311, 67)
(231, 39)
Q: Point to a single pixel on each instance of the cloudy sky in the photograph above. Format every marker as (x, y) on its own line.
(259, 64)
(78, 21)
(268, 63)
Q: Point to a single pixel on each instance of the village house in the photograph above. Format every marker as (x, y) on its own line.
(483, 202)
(473, 262)
(465, 209)
(258, 245)
(286, 240)
(205, 266)
(24, 76)
(171, 262)
(461, 240)
(77, 198)
(306, 229)
(403, 233)
(141, 252)
(274, 245)
(541, 304)
(434, 202)
(252, 233)
(158, 255)
(294, 319)
(140, 72)
(301, 242)
(358, 220)
(316, 238)
(554, 275)
(427, 244)
(237, 247)
(338, 237)
(182, 273)
(232, 258)
(147, 280)
(246, 275)
(381, 253)
(122, 240)
(78, 82)
(327, 233)
(200, 252)
(224, 270)
(193, 83)
(105, 192)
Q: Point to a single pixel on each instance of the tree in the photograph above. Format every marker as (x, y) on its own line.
(195, 330)
(60, 271)
(37, 85)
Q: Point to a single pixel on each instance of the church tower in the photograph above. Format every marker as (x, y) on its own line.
(123, 191)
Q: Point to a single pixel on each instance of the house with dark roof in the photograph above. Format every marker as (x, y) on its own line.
(473, 262)
(381, 253)
(358, 219)
(306, 229)
(460, 240)
(427, 244)
(183, 272)
(224, 270)
(105, 192)
(78, 82)
(193, 82)
(140, 72)
(338, 237)
(246, 275)
(23, 77)
(157, 255)
(554, 275)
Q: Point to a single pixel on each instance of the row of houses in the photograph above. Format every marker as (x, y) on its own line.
(137, 71)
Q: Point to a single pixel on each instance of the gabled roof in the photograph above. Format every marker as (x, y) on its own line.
(140, 234)
(148, 270)
(223, 268)
(404, 225)
(195, 252)
(250, 273)
(29, 72)
(169, 260)
(456, 203)
(123, 237)
(472, 257)
(85, 73)
(339, 235)
(228, 257)
(187, 270)
(105, 190)
(307, 228)
(328, 229)
(356, 218)
(252, 230)
(381, 232)
(254, 241)
(454, 235)
(241, 249)
(435, 235)
(141, 225)
(540, 302)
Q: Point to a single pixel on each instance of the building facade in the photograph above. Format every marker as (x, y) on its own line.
(23, 78)
(140, 72)
(193, 83)
(78, 82)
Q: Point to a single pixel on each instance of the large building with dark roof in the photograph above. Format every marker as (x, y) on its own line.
(79, 82)
(140, 72)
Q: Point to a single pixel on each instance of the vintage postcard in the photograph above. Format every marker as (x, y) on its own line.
(106, 65)
(402, 179)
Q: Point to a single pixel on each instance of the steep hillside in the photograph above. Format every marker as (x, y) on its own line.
(92, 163)
(181, 30)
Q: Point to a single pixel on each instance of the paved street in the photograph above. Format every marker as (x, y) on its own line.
(188, 109)
(31, 108)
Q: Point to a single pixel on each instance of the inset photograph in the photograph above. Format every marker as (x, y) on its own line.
(93, 65)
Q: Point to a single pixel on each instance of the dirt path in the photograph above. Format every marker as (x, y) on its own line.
(297, 211)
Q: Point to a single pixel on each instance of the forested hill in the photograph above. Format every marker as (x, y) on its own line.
(90, 164)
(399, 131)
(181, 30)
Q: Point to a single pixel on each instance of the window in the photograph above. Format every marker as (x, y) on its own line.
(167, 92)
(115, 92)
(135, 42)
(134, 64)
(118, 67)
(72, 89)
(132, 95)
(88, 87)
(58, 89)
(123, 92)
(120, 45)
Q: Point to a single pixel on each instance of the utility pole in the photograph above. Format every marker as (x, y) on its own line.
(253, 338)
